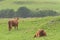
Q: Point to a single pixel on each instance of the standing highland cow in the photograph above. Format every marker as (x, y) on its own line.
(13, 23)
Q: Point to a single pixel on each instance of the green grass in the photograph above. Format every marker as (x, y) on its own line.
(28, 27)
(41, 4)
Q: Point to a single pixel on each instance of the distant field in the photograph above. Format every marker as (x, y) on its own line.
(28, 27)
(31, 4)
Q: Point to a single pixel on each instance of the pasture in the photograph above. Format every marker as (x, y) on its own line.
(31, 4)
(29, 26)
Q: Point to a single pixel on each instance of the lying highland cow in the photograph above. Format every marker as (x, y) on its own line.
(40, 33)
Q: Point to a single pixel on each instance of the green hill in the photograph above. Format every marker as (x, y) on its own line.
(31, 4)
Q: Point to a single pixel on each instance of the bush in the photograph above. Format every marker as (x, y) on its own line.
(25, 12)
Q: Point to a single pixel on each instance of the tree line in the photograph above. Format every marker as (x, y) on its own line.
(26, 12)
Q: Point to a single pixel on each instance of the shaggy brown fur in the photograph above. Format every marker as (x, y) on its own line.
(13, 23)
(40, 33)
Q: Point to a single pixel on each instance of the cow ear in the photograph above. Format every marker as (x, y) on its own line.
(34, 36)
(17, 18)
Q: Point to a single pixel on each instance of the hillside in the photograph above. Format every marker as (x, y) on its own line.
(31, 4)
(28, 27)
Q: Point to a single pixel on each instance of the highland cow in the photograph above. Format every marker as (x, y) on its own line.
(40, 33)
(13, 23)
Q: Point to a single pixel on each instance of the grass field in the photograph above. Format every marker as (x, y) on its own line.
(28, 27)
(31, 4)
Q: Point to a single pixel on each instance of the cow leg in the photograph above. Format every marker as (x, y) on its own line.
(17, 27)
(10, 27)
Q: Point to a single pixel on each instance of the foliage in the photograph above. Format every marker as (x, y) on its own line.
(25, 12)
